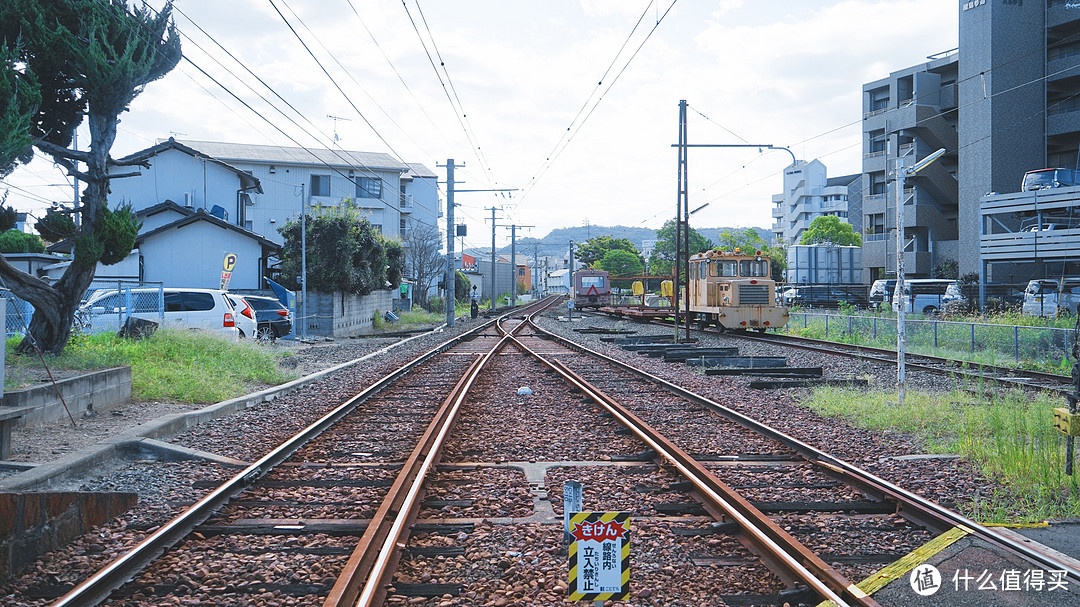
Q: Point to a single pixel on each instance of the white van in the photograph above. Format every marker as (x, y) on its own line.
(207, 309)
(1048, 297)
(928, 295)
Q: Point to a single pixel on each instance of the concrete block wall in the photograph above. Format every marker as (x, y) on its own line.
(32, 524)
(98, 391)
(343, 314)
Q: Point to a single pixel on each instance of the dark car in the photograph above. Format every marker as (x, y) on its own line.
(826, 296)
(272, 318)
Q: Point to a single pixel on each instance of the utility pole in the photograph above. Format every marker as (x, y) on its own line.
(570, 305)
(303, 264)
(450, 278)
(492, 295)
(536, 268)
(513, 261)
(680, 198)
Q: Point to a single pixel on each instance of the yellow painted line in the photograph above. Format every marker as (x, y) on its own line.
(1018, 525)
(901, 567)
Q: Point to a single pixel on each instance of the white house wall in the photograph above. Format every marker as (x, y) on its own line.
(280, 200)
(199, 263)
(172, 175)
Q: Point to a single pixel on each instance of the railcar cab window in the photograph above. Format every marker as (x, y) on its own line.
(592, 281)
(725, 268)
(752, 268)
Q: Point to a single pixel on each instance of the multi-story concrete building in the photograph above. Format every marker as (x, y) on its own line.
(1006, 102)
(809, 193)
(906, 116)
(1020, 111)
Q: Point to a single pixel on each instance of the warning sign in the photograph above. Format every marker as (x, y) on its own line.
(599, 556)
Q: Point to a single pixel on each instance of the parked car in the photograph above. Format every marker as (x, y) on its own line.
(245, 316)
(273, 318)
(1049, 178)
(929, 295)
(882, 291)
(207, 309)
(826, 296)
(1050, 297)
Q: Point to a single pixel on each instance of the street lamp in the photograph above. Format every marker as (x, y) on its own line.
(899, 295)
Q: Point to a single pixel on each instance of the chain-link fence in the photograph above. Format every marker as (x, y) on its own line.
(1041, 347)
(106, 306)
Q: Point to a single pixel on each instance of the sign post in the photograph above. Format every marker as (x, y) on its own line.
(227, 269)
(571, 499)
(599, 557)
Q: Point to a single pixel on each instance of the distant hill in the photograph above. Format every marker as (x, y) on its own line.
(557, 241)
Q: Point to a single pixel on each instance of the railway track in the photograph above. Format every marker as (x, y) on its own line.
(448, 513)
(1007, 376)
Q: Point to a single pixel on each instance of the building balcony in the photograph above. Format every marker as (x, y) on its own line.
(1060, 122)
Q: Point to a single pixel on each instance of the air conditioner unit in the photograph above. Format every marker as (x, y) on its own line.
(188, 200)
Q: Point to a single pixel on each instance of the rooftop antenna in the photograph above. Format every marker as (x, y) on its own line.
(335, 119)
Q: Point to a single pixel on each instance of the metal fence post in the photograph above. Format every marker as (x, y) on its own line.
(826, 325)
(972, 338)
(1016, 343)
(935, 335)
(875, 327)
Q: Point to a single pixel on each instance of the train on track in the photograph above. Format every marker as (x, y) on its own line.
(733, 291)
(728, 290)
(592, 289)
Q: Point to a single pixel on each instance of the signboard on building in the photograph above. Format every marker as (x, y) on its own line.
(599, 557)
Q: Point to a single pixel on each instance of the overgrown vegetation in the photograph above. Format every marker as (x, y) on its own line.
(1006, 434)
(1006, 339)
(172, 365)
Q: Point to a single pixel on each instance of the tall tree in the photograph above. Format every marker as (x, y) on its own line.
(423, 262)
(344, 253)
(748, 240)
(663, 255)
(89, 58)
(593, 250)
(829, 229)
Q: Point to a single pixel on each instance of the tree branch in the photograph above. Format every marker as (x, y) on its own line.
(116, 163)
(119, 175)
(58, 152)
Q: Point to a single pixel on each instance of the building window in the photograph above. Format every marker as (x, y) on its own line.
(320, 185)
(875, 225)
(401, 225)
(368, 187)
(879, 99)
(878, 185)
(877, 141)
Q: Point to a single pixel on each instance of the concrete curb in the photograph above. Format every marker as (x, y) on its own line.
(51, 474)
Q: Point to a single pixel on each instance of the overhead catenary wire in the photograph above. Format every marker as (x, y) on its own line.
(565, 140)
(352, 163)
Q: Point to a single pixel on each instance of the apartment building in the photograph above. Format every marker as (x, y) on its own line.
(1005, 102)
(906, 116)
(810, 193)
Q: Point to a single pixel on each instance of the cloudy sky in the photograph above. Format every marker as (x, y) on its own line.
(572, 102)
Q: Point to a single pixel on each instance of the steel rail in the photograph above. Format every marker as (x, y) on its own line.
(364, 578)
(100, 585)
(923, 510)
(766, 534)
(396, 509)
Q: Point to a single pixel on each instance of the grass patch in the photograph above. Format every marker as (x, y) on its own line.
(1008, 435)
(172, 365)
